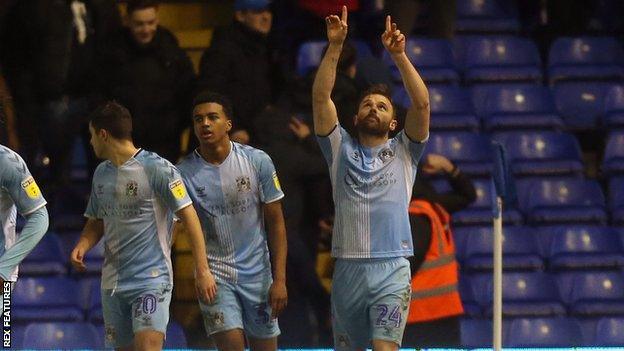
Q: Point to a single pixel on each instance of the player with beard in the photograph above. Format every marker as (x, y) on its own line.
(372, 178)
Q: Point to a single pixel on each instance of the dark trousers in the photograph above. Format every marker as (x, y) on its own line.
(444, 332)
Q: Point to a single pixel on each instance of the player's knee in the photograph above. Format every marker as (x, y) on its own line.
(148, 341)
(384, 345)
(267, 344)
(230, 340)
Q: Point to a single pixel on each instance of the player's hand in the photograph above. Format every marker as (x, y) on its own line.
(392, 38)
(278, 298)
(337, 27)
(206, 287)
(436, 164)
(77, 257)
(300, 129)
(240, 136)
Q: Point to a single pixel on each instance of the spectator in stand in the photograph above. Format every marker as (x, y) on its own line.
(144, 68)
(238, 64)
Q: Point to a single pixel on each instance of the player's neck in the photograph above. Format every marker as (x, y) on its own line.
(215, 153)
(121, 151)
(371, 140)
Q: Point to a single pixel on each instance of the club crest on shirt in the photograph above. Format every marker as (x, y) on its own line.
(132, 188)
(201, 191)
(243, 184)
(386, 155)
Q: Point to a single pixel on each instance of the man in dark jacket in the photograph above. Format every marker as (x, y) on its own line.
(144, 68)
(238, 64)
(49, 50)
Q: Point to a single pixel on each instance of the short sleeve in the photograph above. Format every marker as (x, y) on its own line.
(330, 144)
(93, 206)
(169, 186)
(269, 184)
(21, 186)
(414, 148)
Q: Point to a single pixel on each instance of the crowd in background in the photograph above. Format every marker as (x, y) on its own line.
(61, 58)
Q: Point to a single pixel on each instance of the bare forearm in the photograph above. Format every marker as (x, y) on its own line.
(414, 85)
(198, 246)
(91, 234)
(277, 243)
(326, 74)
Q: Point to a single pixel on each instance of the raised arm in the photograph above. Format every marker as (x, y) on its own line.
(323, 108)
(417, 119)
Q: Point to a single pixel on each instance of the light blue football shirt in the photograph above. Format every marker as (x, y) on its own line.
(371, 188)
(18, 193)
(228, 199)
(136, 201)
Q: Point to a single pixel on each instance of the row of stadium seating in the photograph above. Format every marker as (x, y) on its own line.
(521, 106)
(545, 332)
(482, 59)
(77, 335)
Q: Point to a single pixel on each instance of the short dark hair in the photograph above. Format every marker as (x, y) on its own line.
(113, 118)
(348, 56)
(207, 96)
(135, 5)
(376, 89)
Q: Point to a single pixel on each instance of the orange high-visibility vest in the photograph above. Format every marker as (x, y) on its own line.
(434, 285)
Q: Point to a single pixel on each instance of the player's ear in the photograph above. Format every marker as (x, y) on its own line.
(229, 125)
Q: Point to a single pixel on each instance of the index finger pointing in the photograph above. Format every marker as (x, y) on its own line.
(345, 14)
(388, 23)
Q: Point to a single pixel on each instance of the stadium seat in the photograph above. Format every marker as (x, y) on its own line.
(616, 200)
(484, 16)
(559, 201)
(61, 336)
(479, 94)
(309, 56)
(476, 333)
(502, 59)
(585, 58)
(542, 153)
(532, 294)
(17, 336)
(471, 306)
(433, 57)
(69, 206)
(581, 104)
(520, 249)
(47, 258)
(594, 293)
(46, 299)
(544, 332)
(613, 162)
(469, 151)
(585, 247)
(94, 302)
(450, 108)
(79, 167)
(175, 336)
(480, 211)
(610, 332)
(521, 108)
(614, 108)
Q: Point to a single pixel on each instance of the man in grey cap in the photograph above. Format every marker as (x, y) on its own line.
(238, 65)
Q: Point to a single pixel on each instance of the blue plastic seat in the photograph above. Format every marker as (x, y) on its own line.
(480, 93)
(476, 333)
(521, 108)
(47, 258)
(616, 200)
(544, 332)
(46, 299)
(520, 249)
(61, 336)
(17, 336)
(484, 16)
(614, 108)
(309, 56)
(581, 104)
(595, 293)
(433, 57)
(176, 338)
(583, 247)
(470, 304)
(542, 153)
(532, 294)
(502, 59)
(480, 211)
(585, 58)
(613, 161)
(451, 109)
(610, 332)
(559, 201)
(469, 151)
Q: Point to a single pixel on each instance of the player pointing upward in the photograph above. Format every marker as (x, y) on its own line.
(372, 178)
